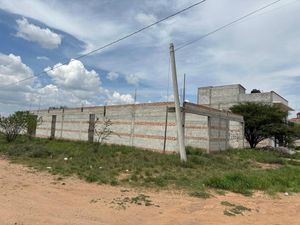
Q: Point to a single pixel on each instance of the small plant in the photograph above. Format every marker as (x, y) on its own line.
(226, 203)
(234, 209)
(102, 130)
(141, 199)
(200, 194)
(221, 192)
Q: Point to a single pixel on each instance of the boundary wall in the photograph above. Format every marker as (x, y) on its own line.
(150, 126)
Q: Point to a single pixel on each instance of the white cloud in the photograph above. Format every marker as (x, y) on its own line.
(14, 95)
(44, 37)
(42, 58)
(12, 70)
(248, 53)
(145, 19)
(167, 98)
(74, 76)
(72, 85)
(112, 76)
(117, 98)
(134, 79)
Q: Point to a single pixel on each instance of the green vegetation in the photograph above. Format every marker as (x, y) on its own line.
(265, 121)
(19, 122)
(200, 194)
(123, 203)
(235, 170)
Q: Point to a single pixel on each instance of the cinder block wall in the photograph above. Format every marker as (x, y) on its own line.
(236, 134)
(196, 131)
(141, 125)
(220, 97)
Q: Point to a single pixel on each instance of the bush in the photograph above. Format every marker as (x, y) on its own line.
(40, 152)
(30, 151)
(16, 124)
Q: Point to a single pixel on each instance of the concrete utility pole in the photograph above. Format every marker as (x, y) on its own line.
(183, 94)
(177, 106)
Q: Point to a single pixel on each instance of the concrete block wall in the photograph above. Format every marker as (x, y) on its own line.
(257, 97)
(218, 134)
(140, 125)
(236, 134)
(220, 95)
(132, 125)
(196, 131)
(277, 98)
(224, 97)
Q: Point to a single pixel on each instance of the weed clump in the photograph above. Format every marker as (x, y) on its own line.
(200, 194)
(233, 209)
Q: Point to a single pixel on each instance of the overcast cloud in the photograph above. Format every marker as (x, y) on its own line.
(262, 52)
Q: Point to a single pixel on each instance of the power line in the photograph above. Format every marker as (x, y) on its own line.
(227, 25)
(112, 43)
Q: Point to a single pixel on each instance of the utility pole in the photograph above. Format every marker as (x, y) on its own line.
(183, 97)
(177, 106)
(135, 95)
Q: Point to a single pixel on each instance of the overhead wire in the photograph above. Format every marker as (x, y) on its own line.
(111, 43)
(227, 25)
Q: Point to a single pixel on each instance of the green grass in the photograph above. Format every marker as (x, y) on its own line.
(234, 170)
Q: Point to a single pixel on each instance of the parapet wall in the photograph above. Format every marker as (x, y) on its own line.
(150, 126)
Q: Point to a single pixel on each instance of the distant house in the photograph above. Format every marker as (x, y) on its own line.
(297, 119)
(224, 97)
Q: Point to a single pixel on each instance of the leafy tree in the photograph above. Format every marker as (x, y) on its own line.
(21, 122)
(262, 121)
(286, 134)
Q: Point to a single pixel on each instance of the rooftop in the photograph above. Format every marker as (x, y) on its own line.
(223, 86)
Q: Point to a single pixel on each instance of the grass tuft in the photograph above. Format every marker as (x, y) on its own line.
(200, 194)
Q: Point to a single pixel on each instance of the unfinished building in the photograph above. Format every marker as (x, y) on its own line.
(150, 126)
(224, 97)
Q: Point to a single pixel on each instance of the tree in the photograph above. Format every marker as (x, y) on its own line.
(21, 122)
(261, 121)
(255, 91)
(286, 134)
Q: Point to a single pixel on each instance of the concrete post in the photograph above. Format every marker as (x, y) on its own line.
(177, 106)
(166, 129)
(208, 133)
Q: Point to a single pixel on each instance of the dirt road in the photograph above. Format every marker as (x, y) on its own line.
(33, 198)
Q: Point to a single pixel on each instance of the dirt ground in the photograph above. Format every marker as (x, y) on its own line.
(34, 198)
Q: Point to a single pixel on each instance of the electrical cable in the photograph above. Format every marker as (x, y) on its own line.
(111, 43)
(227, 25)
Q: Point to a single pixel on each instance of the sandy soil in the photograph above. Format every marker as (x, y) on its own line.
(34, 198)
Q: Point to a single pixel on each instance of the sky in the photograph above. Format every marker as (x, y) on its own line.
(262, 52)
